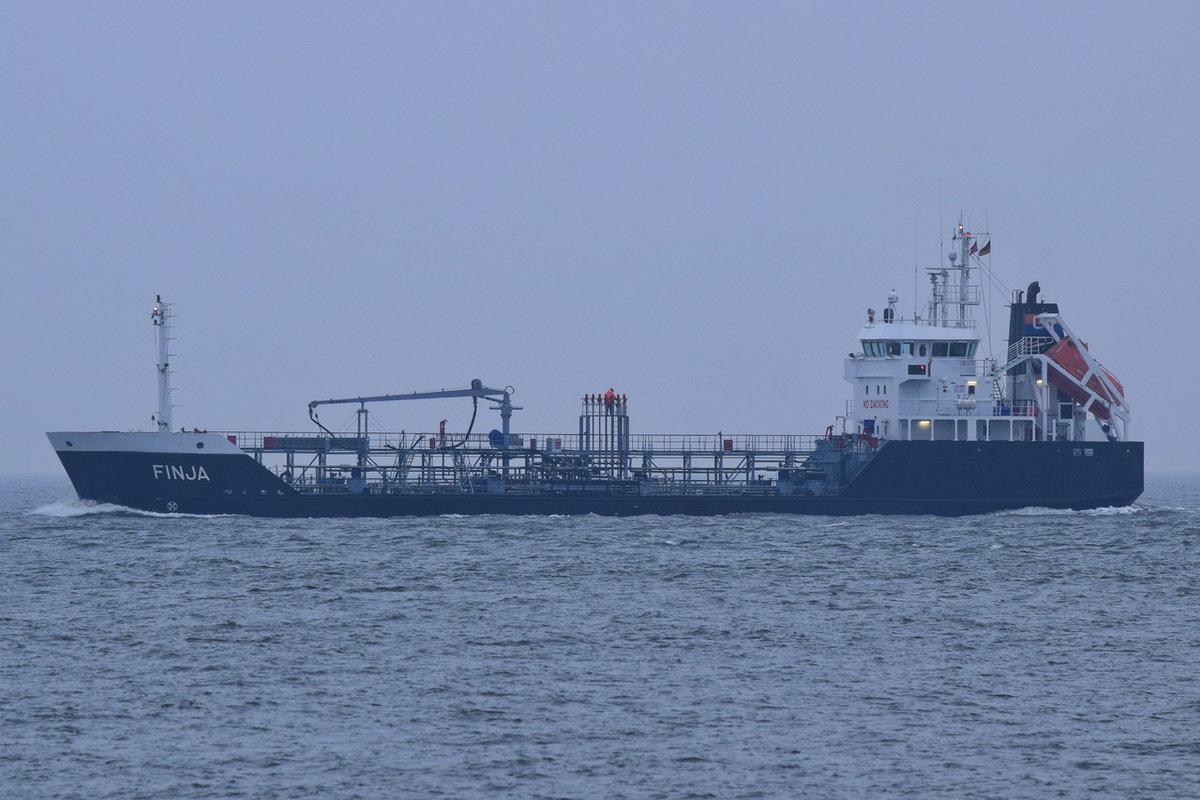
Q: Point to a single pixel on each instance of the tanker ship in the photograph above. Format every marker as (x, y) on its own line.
(933, 427)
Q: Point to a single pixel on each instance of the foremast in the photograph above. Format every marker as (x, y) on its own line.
(160, 316)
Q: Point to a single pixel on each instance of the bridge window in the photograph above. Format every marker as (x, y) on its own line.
(958, 349)
(941, 349)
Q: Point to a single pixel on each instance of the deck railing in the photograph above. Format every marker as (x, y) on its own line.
(308, 441)
(1028, 346)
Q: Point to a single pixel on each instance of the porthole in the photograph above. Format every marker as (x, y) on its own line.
(199, 445)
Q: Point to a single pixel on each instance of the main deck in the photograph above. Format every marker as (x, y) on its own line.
(595, 461)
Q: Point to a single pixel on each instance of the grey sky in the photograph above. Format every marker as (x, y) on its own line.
(691, 202)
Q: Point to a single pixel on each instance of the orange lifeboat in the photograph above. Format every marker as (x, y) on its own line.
(1067, 360)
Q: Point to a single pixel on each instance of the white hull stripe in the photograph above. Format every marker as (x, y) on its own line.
(142, 442)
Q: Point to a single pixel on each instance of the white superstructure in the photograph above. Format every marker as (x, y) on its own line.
(925, 378)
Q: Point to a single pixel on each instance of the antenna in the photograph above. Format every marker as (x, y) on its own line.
(160, 315)
(941, 227)
(987, 288)
(916, 261)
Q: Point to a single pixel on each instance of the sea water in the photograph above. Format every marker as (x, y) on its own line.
(1033, 654)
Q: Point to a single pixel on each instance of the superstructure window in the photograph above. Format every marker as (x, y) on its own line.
(893, 348)
(941, 349)
(958, 349)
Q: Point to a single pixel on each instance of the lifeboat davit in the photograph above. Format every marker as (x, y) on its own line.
(1066, 359)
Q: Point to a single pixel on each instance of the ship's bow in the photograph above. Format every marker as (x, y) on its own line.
(162, 471)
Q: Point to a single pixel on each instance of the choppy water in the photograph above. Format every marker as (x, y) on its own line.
(1026, 655)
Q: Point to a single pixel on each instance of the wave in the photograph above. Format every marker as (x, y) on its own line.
(1107, 511)
(76, 507)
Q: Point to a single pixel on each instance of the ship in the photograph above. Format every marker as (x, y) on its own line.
(934, 426)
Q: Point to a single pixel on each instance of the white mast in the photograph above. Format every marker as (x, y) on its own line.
(964, 277)
(945, 293)
(161, 317)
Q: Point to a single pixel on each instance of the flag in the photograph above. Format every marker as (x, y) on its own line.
(974, 248)
(987, 248)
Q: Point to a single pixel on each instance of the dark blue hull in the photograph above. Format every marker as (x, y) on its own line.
(943, 478)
